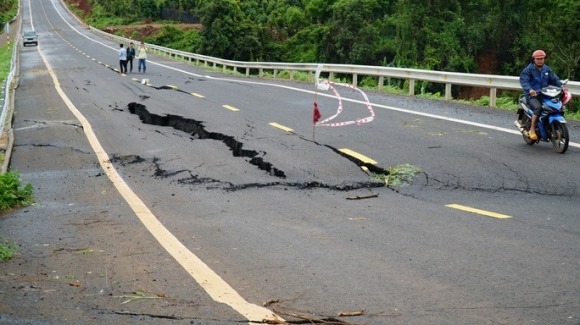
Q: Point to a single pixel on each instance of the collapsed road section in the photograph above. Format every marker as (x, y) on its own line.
(199, 132)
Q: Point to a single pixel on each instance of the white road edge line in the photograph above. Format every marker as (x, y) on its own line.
(212, 283)
(397, 109)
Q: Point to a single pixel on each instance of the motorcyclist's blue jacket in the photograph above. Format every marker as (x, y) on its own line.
(534, 78)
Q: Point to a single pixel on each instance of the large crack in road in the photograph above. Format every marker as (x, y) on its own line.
(199, 131)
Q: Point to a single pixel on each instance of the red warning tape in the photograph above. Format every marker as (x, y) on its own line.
(322, 85)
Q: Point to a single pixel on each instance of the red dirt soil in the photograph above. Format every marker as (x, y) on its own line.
(137, 31)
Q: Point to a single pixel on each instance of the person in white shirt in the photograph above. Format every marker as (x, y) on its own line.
(123, 59)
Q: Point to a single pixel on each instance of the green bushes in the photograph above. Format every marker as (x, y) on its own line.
(12, 196)
(175, 38)
(7, 249)
(11, 193)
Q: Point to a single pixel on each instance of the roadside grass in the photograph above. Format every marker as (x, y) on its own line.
(9, 11)
(5, 59)
(8, 249)
(12, 193)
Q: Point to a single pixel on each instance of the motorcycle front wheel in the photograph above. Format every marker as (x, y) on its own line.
(559, 137)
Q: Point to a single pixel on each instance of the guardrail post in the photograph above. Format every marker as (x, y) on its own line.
(381, 82)
(247, 72)
(492, 97)
(275, 73)
(261, 72)
(224, 68)
(354, 79)
(448, 95)
(291, 74)
(330, 76)
(412, 87)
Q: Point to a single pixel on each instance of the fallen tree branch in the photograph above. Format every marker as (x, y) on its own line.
(351, 313)
(303, 319)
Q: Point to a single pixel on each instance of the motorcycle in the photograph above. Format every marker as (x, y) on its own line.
(551, 126)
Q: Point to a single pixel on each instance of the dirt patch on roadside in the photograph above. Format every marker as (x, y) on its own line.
(137, 31)
(145, 30)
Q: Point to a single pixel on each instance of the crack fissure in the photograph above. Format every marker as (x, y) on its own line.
(198, 131)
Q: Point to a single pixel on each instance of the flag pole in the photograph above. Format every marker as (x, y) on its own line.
(316, 111)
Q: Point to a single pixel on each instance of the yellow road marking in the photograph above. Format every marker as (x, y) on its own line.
(478, 211)
(197, 95)
(231, 108)
(213, 284)
(173, 87)
(280, 126)
(358, 156)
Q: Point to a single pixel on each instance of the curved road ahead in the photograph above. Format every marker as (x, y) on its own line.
(213, 189)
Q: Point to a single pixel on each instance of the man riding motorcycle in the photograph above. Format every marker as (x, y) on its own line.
(534, 77)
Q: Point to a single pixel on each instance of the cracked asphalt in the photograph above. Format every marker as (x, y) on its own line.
(270, 211)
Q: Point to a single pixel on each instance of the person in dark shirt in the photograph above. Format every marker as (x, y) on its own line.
(130, 56)
(533, 78)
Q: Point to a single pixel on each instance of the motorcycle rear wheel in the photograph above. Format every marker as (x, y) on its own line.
(559, 137)
(526, 123)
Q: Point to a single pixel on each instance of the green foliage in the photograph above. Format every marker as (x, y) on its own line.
(5, 58)
(506, 102)
(304, 46)
(172, 37)
(369, 82)
(106, 21)
(7, 249)
(8, 10)
(11, 193)
(399, 175)
(474, 36)
(573, 116)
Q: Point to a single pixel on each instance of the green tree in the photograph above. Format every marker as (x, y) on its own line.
(228, 33)
(148, 9)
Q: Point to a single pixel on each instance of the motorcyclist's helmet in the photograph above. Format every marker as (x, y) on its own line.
(538, 54)
(566, 96)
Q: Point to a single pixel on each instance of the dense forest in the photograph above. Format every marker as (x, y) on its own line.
(474, 36)
(8, 9)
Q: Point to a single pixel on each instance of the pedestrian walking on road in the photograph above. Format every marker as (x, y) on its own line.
(130, 56)
(142, 56)
(123, 59)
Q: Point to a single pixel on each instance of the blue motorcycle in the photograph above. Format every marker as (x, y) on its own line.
(551, 126)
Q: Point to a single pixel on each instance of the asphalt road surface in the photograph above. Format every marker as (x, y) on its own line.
(182, 187)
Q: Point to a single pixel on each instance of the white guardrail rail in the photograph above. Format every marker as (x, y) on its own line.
(492, 82)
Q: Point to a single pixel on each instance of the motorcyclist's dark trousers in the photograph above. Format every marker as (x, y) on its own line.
(535, 105)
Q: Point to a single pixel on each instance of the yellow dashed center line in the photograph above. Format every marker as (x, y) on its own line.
(281, 127)
(358, 156)
(198, 95)
(478, 211)
(231, 108)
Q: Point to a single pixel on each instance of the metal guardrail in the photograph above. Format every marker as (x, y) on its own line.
(492, 82)
(6, 86)
(6, 90)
